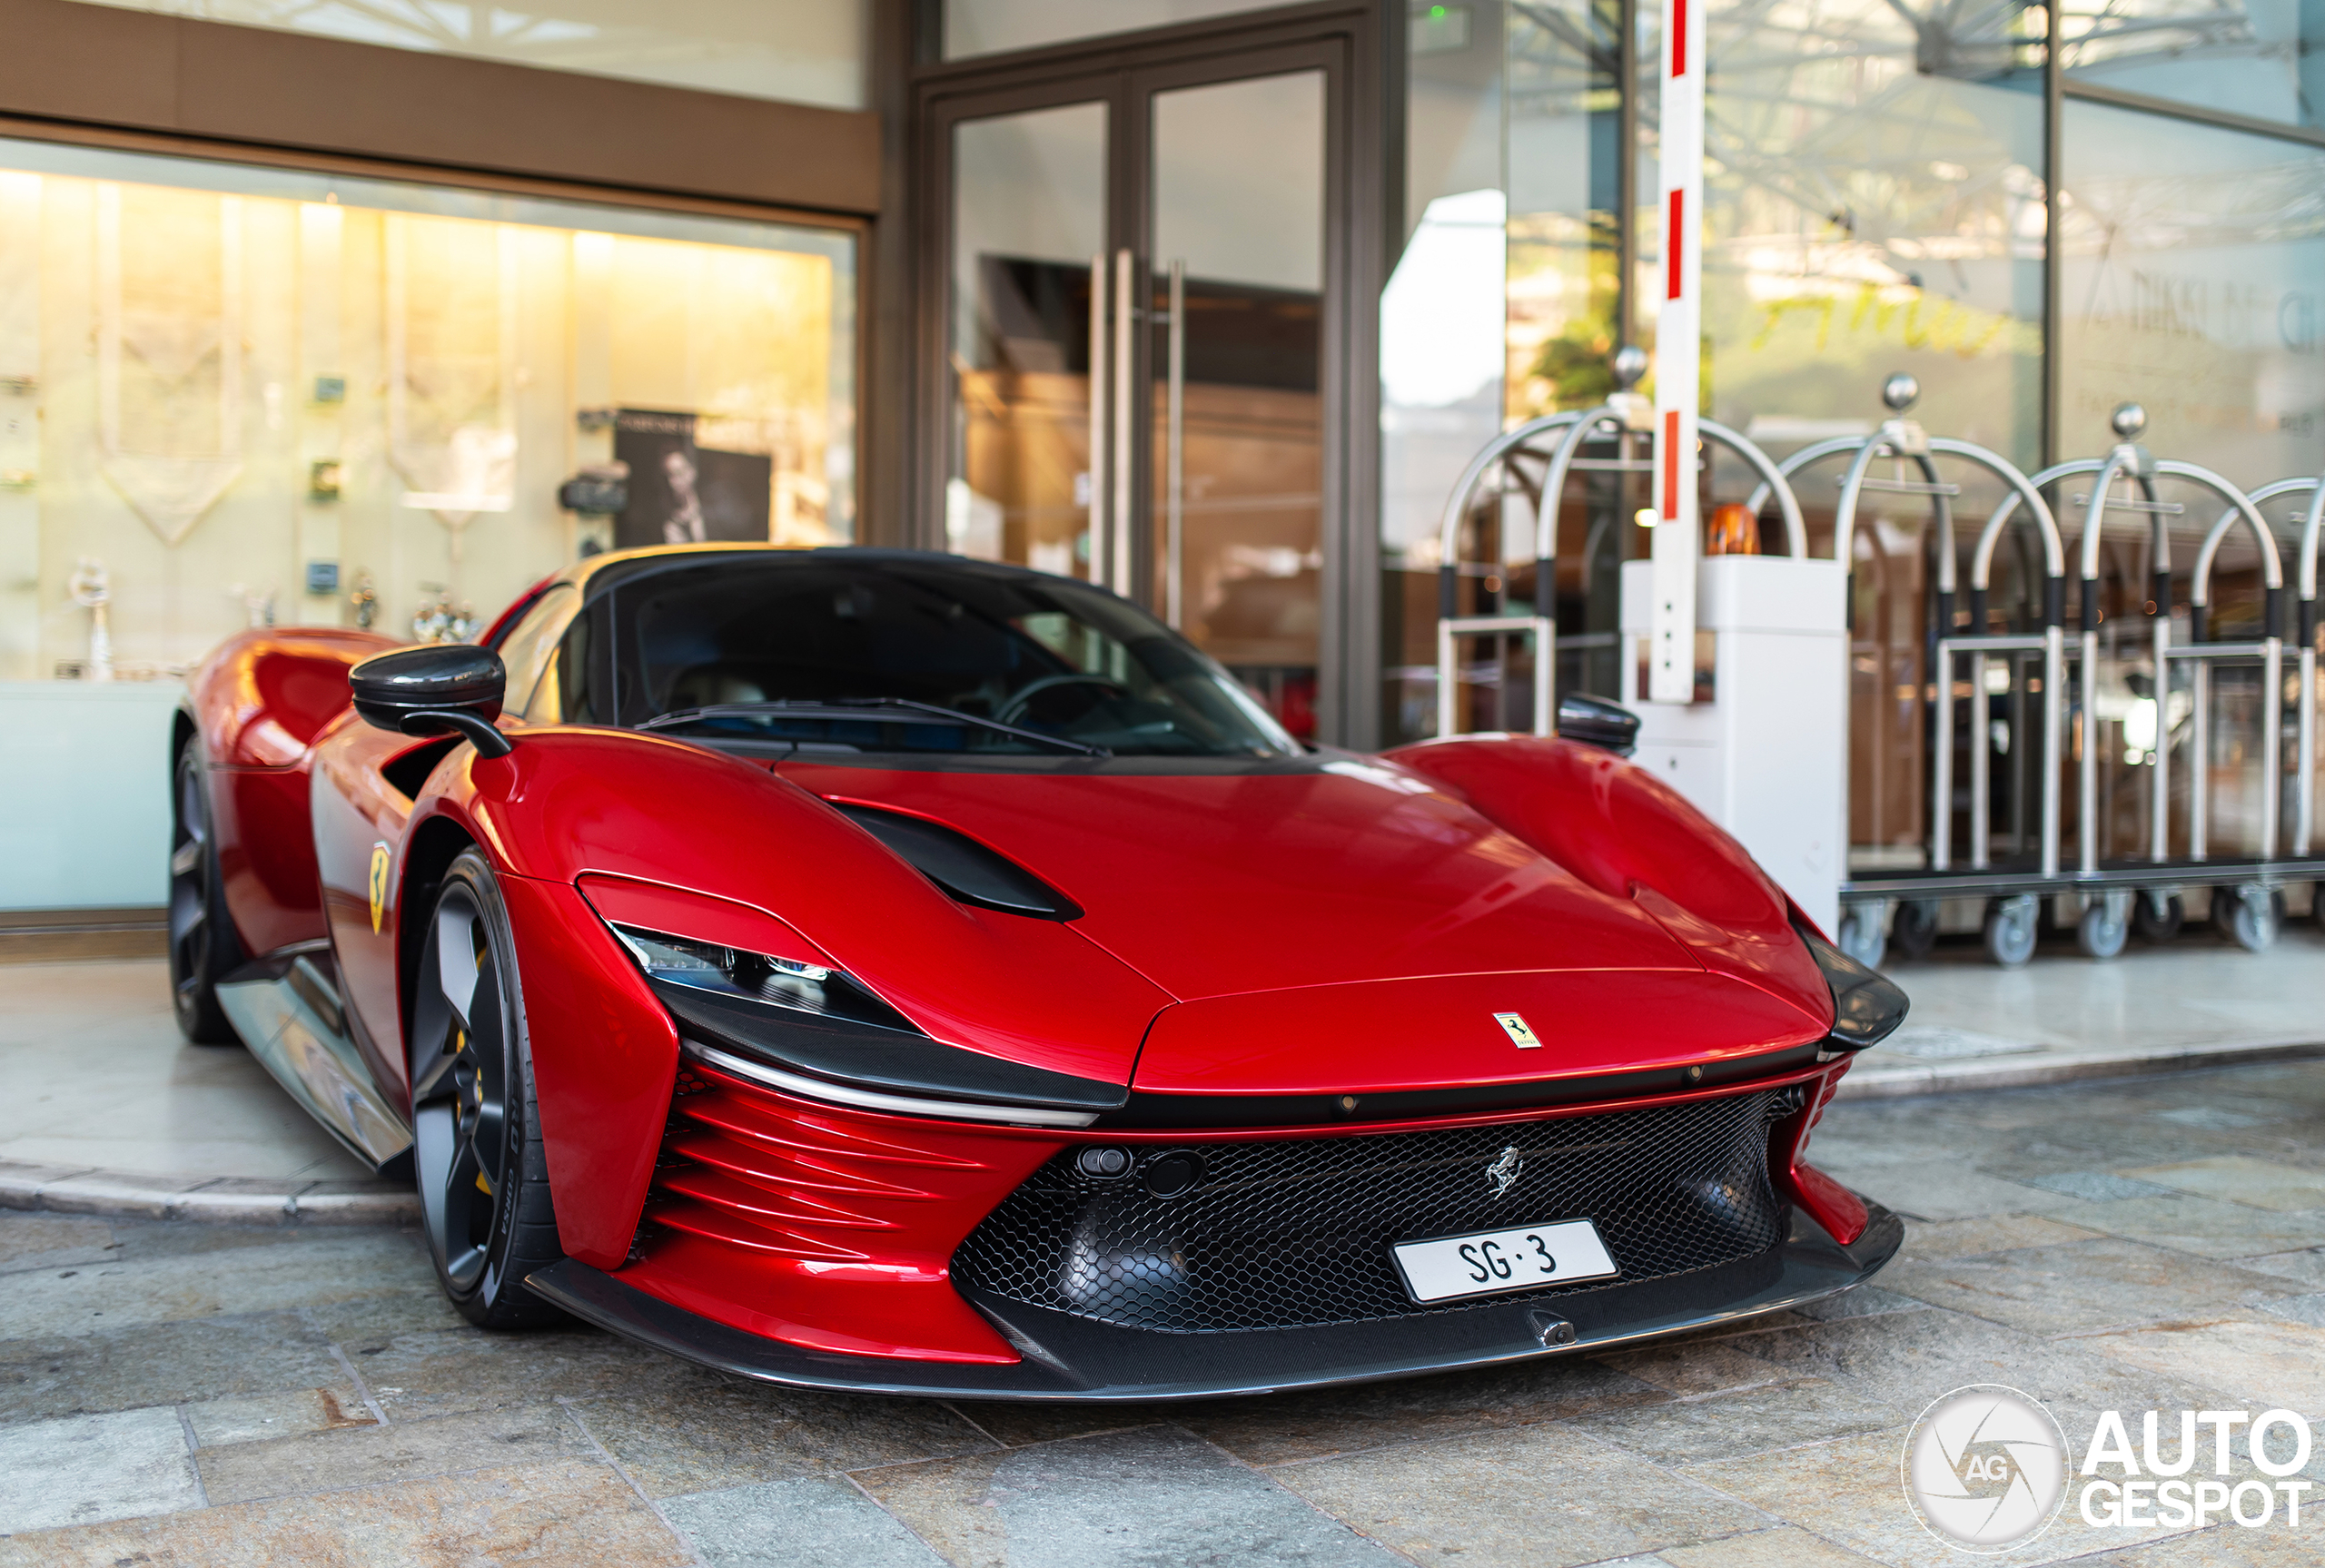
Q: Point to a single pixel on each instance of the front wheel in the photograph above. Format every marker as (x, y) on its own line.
(476, 1126)
(203, 948)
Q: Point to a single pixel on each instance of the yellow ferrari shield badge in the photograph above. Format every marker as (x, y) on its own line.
(378, 884)
(1521, 1035)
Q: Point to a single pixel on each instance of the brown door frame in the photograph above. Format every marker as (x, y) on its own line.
(1343, 39)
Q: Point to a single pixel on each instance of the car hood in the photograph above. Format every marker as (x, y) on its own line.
(1333, 874)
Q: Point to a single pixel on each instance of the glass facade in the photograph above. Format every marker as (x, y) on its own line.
(800, 51)
(2262, 59)
(232, 397)
(1877, 197)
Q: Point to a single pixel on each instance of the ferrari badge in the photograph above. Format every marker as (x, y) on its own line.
(1502, 1174)
(380, 891)
(1512, 1025)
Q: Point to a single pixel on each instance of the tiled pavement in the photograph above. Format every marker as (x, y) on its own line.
(210, 1394)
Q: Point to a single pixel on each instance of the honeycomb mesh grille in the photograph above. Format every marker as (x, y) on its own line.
(1294, 1232)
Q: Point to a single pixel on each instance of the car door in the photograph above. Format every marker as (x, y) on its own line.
(366, 784)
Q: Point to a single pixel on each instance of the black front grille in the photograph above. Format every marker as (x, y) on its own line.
(1286, 1232)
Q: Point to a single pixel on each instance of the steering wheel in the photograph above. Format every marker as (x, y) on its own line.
(1010, 711)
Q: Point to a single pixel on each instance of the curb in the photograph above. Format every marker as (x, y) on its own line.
(2036, 1069)
(215, 1199)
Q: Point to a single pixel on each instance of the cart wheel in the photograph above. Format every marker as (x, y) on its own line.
(2105, 926)
(2157, 917)
(1914, 931)
(2253, 916)
(1862, 937)
(2010, 929)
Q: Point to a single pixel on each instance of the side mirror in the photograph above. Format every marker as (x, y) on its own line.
(440, 688)
(1596, 722)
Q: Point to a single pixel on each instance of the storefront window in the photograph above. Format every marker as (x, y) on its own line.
(2194, 279)
(234, 396)
(2260, 58)
(800, 51)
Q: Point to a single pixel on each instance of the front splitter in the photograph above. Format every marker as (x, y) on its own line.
(1065, 1358)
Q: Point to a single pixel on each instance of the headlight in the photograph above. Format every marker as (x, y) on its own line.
(1867, 1006)
(821, 1033)
(758, 976)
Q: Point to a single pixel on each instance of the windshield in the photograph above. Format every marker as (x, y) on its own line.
(764, 648)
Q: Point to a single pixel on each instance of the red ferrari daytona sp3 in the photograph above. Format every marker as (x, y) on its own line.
(871, 969)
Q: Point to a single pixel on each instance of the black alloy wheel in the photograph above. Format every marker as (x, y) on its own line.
(476, 1147)
(203, 948)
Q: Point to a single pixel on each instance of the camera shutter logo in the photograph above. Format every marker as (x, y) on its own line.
(1985, 1468)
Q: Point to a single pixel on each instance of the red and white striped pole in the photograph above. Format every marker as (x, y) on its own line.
(1678, 326)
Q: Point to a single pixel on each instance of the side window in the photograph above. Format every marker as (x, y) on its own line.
(532, 643)
(563, 696)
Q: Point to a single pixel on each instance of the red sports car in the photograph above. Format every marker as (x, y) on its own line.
(872, 970)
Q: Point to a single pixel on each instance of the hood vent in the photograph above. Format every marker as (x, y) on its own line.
(965, 868)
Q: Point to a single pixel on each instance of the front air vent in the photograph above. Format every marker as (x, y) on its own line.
(965, 868)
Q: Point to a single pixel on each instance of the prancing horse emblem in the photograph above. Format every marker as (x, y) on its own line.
(1503, 1172)
(378, 884)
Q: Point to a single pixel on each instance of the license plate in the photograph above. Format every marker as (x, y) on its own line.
(1488, 1261)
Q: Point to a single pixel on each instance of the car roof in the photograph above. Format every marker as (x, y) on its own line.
(601, 572)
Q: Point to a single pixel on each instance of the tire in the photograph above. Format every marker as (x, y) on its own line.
(2254, 915)
(2105, 926)
(2010, 929)
(1914, 933)
(2154, 924)
(477, 1152)
(203, 948)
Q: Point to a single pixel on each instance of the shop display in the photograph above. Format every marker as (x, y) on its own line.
(92, 591)
(216, 375)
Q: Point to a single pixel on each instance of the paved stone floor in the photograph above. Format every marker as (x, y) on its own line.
(199, 1394)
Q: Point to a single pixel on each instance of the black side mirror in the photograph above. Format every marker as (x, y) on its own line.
(440, 688)
(1597, 721)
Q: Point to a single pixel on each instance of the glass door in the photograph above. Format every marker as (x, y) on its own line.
(1137, 283)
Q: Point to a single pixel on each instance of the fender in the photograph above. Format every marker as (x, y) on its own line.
(257, 705)
(571, 803)
(1628, 833)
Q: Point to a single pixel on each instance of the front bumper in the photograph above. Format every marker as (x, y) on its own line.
(1067, 1357)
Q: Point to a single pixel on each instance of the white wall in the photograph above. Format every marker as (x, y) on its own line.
(84, 794)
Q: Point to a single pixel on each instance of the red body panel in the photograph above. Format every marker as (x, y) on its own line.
(1628, 833)
(1211, 886)
(568, 802)
(258, 702)
(266, 856)
(826, 1227)
(356, 813)
(604, 1057)
(1388, 1036)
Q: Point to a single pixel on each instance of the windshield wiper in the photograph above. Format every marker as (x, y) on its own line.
(855, 708)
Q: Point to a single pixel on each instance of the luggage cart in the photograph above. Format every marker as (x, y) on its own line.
(2304, 810)
(1871, 902)
(1628, 418)
(2110, 889)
